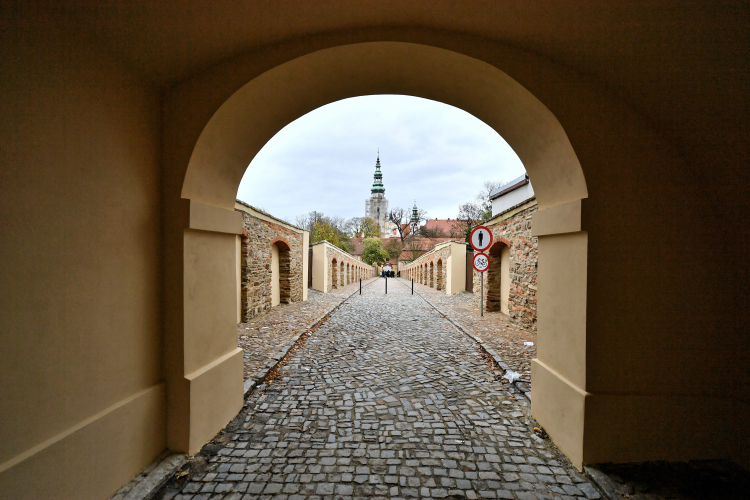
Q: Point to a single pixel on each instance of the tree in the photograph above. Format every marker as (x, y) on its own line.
(483, 197)
(432, 232)
(399, 217)
(346, 245)
(324, 231)
(373, 252)
(339, 223)
(321, 227)
(362, 227)
(414, 247)
(307, 221)
(394, 248)
(470, 215)
(474, 213)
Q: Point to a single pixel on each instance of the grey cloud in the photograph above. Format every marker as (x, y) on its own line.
(324, 161)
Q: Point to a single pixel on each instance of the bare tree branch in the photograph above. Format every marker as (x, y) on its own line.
(399, 217)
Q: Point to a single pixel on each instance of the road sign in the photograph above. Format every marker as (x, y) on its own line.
(481, 238)
(481, 262)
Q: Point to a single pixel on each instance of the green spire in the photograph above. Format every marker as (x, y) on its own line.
(414, 213)
(377, 185)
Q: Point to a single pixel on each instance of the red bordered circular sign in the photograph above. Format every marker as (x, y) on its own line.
(481, 262)
(481, 238)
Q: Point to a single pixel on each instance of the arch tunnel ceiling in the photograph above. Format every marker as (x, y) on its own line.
(682, 65)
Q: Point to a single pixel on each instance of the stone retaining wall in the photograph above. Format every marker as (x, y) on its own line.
(439, 268)
(334, 268)
(259, 235)
(513, 228)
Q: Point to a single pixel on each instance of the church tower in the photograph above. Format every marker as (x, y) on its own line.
(414, 219)
(376, 207)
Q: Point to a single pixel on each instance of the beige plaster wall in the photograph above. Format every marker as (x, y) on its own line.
(622, 160)
(664, 294)
(453, 255)
(320, 269)
(343, 267)
(457, 269)
(82, 399)
(448, 275)
(305, 263)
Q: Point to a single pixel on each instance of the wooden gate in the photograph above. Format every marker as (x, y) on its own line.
(309, 268)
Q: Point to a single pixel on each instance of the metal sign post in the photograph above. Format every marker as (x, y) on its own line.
(481, 294)
(481, 263)
(481, 240)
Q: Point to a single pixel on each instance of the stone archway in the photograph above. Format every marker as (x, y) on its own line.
(334, 273)
(440, 278)
(432, 274)
(498, 278)
(249, 117)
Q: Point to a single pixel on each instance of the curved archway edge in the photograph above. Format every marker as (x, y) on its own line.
(243, 124)
(262, 107)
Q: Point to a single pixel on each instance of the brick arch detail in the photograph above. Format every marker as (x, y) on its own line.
(281, 242)
(499, 239)
(493, 295)
(440, 279)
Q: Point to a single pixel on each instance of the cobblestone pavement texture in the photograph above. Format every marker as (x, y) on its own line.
(265, 335)
(386, 399)
(495, 329)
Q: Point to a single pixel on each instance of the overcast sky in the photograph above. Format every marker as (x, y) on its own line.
(325, 160)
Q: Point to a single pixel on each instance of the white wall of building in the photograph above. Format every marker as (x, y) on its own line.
(511, 199)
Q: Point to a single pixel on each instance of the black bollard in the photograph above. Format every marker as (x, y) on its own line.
(412, 286)
(386, 285)
(360, 286)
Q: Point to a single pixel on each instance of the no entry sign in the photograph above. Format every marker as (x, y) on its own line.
(481, 238)
(481, 262)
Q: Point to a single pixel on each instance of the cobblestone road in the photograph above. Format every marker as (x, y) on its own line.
(389, 400)
(494, 328)
(263, 336)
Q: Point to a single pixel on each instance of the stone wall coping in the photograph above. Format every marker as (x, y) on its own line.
(507, 214)
(438, 246)
(260, 214)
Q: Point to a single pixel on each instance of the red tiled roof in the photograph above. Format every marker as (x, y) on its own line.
(358, 245)
(420, 246)
(423, 244)
(445, 225)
